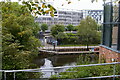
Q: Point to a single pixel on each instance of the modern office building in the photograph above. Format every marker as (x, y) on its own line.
(95, 14)
(63, 17)
(66, 16)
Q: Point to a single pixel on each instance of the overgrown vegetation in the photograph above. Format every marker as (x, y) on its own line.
(91, 71)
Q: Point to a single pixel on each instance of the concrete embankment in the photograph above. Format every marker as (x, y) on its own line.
(69, 50)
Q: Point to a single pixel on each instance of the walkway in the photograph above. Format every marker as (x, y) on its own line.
(67, 47)
(68, 50)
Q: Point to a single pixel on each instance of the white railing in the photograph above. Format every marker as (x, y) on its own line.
(64, 67)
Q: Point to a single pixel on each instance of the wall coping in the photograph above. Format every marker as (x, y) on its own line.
(109, 48)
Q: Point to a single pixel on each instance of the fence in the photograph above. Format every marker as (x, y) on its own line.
(65, 67)
(111, 25)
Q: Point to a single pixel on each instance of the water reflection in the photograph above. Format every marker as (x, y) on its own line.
(44, 61)
(48, 64)
(57, 60)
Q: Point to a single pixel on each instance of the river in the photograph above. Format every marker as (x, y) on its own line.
(47, 61)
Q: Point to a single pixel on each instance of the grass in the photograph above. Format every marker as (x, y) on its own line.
(65, 45)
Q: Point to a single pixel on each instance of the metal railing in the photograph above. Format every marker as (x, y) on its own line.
(64, 67)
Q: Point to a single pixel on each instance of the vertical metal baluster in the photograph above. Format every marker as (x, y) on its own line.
(4, 75)
(14, 75)
(40, 72)
(114, 71)
(58, 73)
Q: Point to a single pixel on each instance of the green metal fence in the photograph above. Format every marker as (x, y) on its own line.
(111, 25)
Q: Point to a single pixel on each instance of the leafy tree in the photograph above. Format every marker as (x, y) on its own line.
(75, 28)
(61, 35)
(44, 27)
(70, 27)
(56, 29)
(40, 7)
(19, 42)
(87, 30)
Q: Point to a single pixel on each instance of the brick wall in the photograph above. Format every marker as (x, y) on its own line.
(108, 55)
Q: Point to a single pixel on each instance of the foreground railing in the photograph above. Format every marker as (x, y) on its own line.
(64, 67)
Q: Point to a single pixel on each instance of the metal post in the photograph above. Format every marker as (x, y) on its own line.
(14, 75)
(103, 29)
(114, 71)
(4, 75)
(107, 28)
(118, 40)
(39, 72)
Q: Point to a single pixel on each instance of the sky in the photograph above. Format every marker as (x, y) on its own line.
(78, 5)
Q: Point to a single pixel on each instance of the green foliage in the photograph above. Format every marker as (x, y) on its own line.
(61, 35)
(56, 29)
(40, 8)
(70, 27)
(87, 31)
(19, 38)
(87, 59)
(67, 38)
(91, 71)
(44, 27)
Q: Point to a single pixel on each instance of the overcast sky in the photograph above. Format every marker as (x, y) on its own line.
(78, 5)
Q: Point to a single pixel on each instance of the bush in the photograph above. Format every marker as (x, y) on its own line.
(92, 71)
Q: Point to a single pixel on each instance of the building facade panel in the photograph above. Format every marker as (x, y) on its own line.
(95, 14)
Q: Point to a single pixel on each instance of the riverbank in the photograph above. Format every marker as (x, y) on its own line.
(69, 50)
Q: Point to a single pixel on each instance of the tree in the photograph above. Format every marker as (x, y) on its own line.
(70, 27)
(44, 27)
(87, 30)
(42, 7)
(19, 42)
(61, 35)
(56, 29)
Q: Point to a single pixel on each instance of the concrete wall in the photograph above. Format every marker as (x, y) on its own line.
(114, 35)
(108, 55)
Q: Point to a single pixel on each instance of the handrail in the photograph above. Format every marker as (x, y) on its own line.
(27, 70)
(48, 70)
